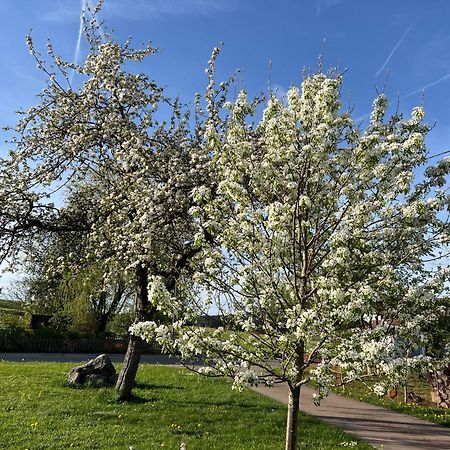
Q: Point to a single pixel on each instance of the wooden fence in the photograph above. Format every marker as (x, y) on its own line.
(33, 344)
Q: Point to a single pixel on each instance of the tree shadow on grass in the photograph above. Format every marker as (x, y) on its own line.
(136, 400)
(150, 386)
(228, 404)
(97, 384)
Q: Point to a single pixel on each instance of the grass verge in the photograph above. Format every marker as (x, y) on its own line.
(426, 411)
(10, 307)
(38, 411)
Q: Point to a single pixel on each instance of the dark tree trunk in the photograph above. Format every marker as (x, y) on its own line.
(294, 401)
(143, 311)
(104, 312)
(99, 312)
(292, 418)
(101, 322)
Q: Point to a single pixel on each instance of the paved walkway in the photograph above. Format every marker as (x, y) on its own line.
(377, 426)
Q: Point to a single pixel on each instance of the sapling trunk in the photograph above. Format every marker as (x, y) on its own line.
(292, 418)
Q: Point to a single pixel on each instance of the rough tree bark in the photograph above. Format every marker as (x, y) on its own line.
(440, 382)
(143, 311)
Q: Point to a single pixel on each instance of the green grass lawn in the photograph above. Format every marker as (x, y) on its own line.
(10, 307)
(38, 411)
(427, 411)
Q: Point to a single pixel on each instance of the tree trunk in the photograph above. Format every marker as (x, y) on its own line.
(125, 381)
(143, 311)
(292, 418)
(440, 382)
(101, 322)
(105, 313)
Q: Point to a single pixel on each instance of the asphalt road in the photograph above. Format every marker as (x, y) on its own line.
(80, 357)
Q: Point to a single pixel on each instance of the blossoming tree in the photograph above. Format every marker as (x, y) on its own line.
(324, 235)
(103, 136)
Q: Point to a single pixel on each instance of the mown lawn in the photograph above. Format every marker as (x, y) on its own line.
(10, 307)
(426, 411)
(38, 411)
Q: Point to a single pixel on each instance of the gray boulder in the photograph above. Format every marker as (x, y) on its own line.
(99, 370)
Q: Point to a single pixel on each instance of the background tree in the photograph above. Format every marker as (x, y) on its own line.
(81, 300)
(322, 233)
(82, 292)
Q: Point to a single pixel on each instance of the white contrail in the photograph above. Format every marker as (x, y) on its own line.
(424, 88)
(410, 94)
(397, 45)
(80, 33)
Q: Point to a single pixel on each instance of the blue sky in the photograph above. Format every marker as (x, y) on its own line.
(407, 39)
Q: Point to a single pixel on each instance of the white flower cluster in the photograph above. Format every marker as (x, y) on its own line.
(322, 229)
